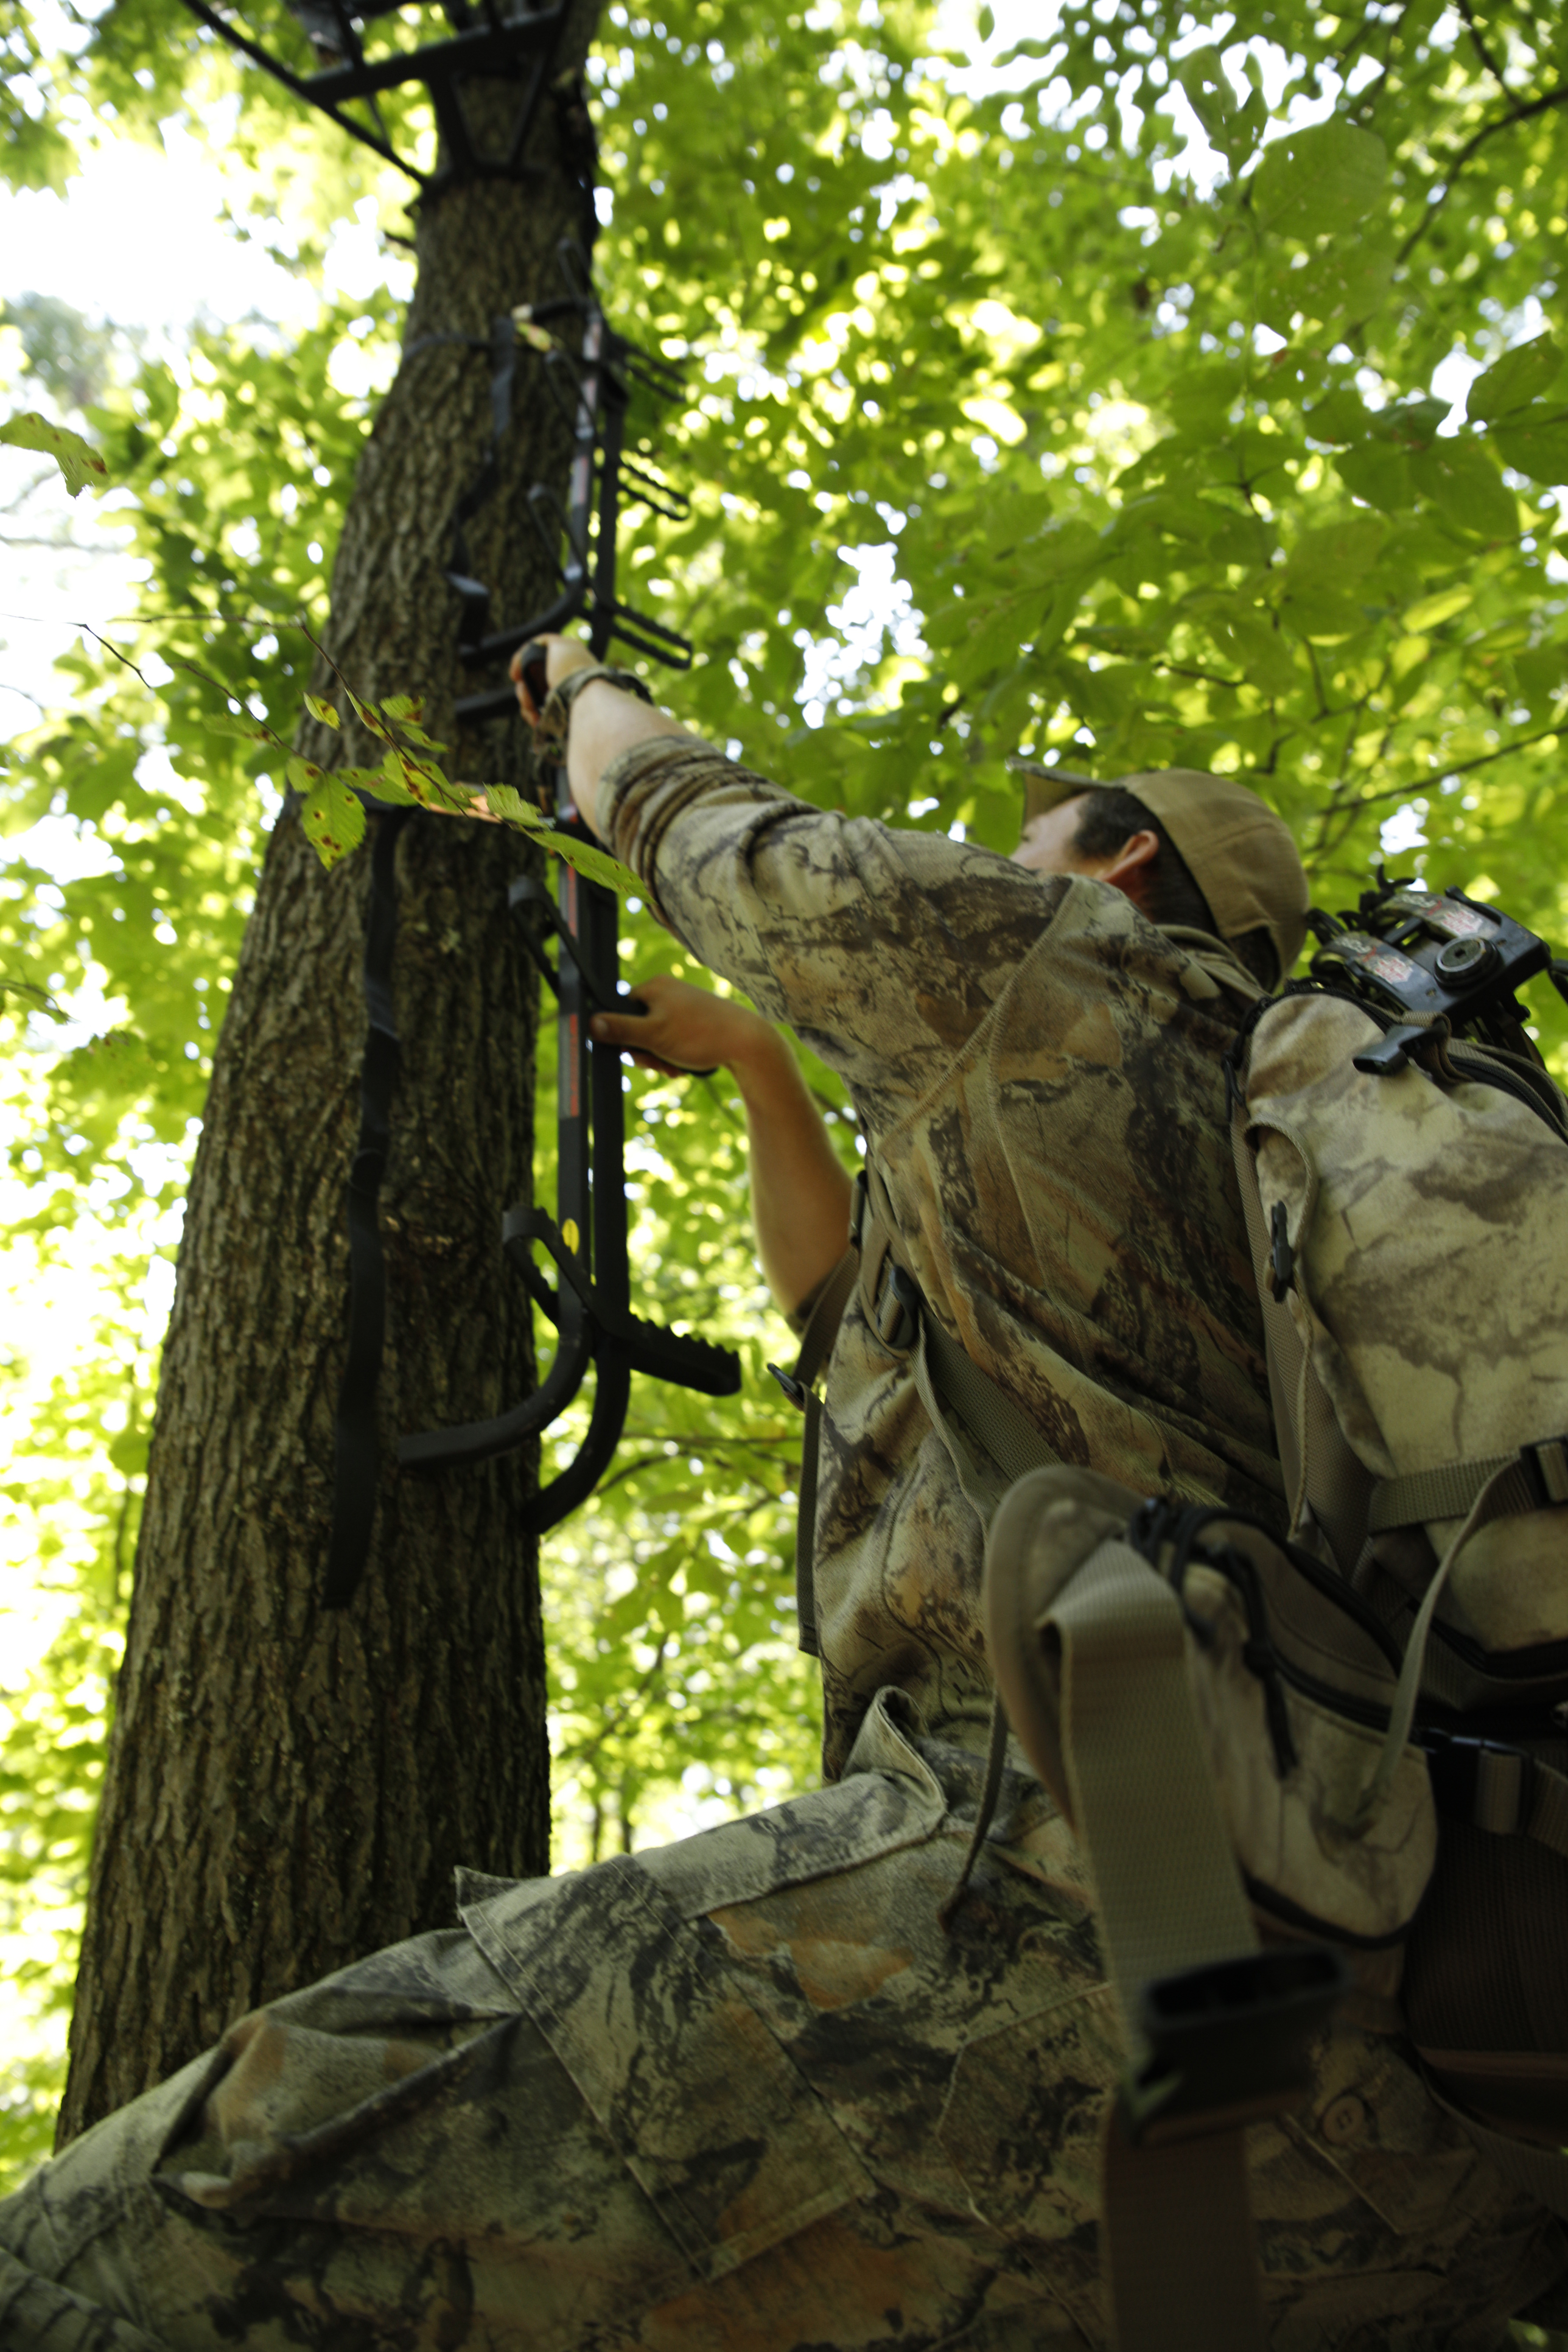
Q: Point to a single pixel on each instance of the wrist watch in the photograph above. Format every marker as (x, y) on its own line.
(555, 719)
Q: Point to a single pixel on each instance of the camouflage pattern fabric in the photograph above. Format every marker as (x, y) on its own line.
(739, 2094)
(1037, 1070)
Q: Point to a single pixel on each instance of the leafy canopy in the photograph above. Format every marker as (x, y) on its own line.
(1183, 390)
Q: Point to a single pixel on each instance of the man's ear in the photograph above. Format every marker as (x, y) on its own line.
(1133, 867)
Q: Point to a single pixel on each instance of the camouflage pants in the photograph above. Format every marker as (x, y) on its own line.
(738, 2095)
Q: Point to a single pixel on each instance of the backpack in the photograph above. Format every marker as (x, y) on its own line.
(1333, 1761)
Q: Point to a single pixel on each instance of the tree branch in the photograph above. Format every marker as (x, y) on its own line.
(1456, 163)
(1478, 42)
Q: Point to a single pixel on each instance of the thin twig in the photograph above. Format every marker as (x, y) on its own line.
(1478, 42)
(1454, 165)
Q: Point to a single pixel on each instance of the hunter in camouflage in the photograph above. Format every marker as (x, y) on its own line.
(748, 2091)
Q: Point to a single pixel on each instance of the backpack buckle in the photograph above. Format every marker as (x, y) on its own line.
(794, 1389)
(1481, 1781)
(896, 1317)
(1229, 2042)
(1545, 1466)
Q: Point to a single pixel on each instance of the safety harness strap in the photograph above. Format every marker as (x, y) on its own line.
(800, 1387)
(357, 1466)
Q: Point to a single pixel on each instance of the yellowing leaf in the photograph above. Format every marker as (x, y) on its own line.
(325, 712)
(1431, 609)
(333, 819)
(248, 730)
(76, 459)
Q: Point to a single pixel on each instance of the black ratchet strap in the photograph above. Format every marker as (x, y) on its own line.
(474, 617)
(357, 1469)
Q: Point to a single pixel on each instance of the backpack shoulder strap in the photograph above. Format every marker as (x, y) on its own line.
(800, 1387)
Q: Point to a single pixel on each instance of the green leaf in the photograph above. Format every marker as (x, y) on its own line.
(325, 712)
(1234, 126)
(1460, 479)
(1520, 377)
(1351, 278)
(78, 462)
(304, 776)
(1534, 441)
(1262, 654)
(1378, 473)
(1336, 553)
(1203, 396)
(384, 784)
(503, 800)
(1324, 181)
(242, 726)
(332, 818)
(1434, 610)
(1412, 423)
(1340, 416)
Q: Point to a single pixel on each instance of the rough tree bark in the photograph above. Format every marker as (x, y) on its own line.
(287, 1785)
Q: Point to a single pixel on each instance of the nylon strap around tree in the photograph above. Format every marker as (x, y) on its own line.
(1179, 2253)
(475, 614)
(357, 1467)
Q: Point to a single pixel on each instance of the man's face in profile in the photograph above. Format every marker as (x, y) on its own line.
(1046, 844)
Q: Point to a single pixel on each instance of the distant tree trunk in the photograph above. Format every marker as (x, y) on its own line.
(288, 1787)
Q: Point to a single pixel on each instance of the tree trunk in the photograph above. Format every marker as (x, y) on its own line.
(288, 1786)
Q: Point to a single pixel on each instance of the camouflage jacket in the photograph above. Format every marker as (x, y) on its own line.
(1038, 1074)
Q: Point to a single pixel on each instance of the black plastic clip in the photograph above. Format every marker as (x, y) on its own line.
(897, 1316)
(1281, 1256)
(1229, 2043)
(1481, 1781)
(1391, 1052)
(797, 1390)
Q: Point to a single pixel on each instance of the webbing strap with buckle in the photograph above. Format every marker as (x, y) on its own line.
(1537, 1480)
(1492, 1786)
(1217, 2032)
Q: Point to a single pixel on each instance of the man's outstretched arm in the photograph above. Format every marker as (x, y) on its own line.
(800, 1193)
(604, 721)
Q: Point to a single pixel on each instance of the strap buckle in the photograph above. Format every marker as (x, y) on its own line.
(897, 1315)
(794, 1389)
(1228, 2042)
(859, 1196)
(1483, 1782)
(1545, 1466)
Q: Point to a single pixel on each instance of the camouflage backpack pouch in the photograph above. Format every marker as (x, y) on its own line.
(1410, 1227)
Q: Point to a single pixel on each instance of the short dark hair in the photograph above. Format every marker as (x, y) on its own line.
(1107, 818)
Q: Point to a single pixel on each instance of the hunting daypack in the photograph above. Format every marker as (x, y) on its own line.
(1333, 1763)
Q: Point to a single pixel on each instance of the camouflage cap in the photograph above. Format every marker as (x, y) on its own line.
(1237, 851)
